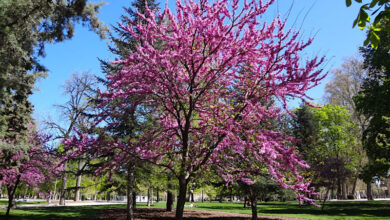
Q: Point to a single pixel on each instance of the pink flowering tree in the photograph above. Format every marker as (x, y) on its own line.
(25, 162)
(208, 71)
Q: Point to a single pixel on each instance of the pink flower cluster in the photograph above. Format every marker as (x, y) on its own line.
(28, 162)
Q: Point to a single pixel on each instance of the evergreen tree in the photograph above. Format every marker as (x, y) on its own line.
(305, 129)
(25, 27)
(125, 122)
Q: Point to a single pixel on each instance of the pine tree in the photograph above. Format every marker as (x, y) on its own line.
(305, 129)
(25, 27)
(125, 121)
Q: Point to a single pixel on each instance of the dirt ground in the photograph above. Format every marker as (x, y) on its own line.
(155, 213)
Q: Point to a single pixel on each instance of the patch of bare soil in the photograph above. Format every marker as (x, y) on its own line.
(161, 214)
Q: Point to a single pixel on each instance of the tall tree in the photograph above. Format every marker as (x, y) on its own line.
(121, 43)
(337, 143)
(340, 90)
(25, 28)
(373, 102)
(327, 142)
(187, 66)
(80, 91)
(305, 128)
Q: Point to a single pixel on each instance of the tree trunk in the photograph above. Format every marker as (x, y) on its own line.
(25, 193)
(134, 200)
(130, 184)
(339, 189)
(78, 181)
(169, 207)
(254, 207)
(221, 195)
(344, 191)
(11, 194)
(354, 187)
(326, 197)
(149, 197)
(202, 196)
(244, 202)
(192, 196)
(369, 192)
(332, 193)
(181, 197)
(158, 195)
(55, 190)
(63, 186)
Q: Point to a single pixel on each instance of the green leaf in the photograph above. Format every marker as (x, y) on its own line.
(374, 38)
(375, 28)
(355, 22)
(373, 3)
(348, 3)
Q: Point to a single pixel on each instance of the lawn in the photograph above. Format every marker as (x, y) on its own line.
(5, 202)
(332, 210)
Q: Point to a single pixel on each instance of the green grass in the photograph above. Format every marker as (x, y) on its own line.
(5, 202)
(332, 210)
(67, 212)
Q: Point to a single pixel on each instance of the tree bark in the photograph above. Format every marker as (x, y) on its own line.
(326, 197)
(181, 197)
(149, 197)
(369, 192)
(339, 196)
(63, 186)
(169, 207)
(11, 194)
(344, 191)
(254, 207)
(78, 181)
(55, 190)
(192, 196)
(134, 199)
(221, 195)
(130, 185)
(354, 187)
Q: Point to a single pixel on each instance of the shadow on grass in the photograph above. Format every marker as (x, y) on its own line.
(350, 208)
(374, 209)
(60, 212)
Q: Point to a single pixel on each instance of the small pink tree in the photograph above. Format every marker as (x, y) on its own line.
(27, 162)
(208, 71)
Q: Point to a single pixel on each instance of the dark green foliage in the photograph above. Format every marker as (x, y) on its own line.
(121, 41)
(25, 27)
(374, 103)
(265, 189)
(305, 128)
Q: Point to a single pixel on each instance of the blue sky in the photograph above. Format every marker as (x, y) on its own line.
(328, 21)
